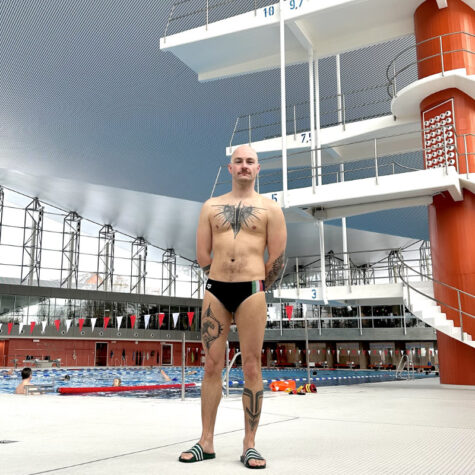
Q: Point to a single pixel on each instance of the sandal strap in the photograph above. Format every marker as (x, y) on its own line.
(197, 452)
(252, 454)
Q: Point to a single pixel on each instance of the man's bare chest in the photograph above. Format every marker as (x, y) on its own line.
(240, 218)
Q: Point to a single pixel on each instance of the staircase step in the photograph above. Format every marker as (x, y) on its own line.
(438, 320)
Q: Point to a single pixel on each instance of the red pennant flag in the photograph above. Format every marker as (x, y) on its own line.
(397, 352)
(81, 323)
(106, 321)
(57, 323)
(32, 326)
(333, 351)
(132, 321)
(190, 318)
(10, 326)
(288, 311)
(161, 316)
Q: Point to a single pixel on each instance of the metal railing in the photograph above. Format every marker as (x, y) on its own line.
(375, 161)
(404, 275)
(393, 72)
(298, 120)
(404, 362)
(201, 14)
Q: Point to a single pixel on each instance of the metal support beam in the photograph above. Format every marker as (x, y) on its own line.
(2, 201)
(32, 239)
(70, 250)
(283, 106)
(105, 258)
(196, 280)
(169, 273)
(138, 265)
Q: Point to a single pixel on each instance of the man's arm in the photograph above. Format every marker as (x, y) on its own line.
(276, 242)
(204, 241)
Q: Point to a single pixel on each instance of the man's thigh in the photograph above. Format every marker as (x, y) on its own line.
(215, 323)
(250, 319)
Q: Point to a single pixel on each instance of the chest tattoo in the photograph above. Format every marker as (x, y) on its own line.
(237, 216)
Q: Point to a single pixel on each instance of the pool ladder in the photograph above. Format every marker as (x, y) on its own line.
(403, 362)
(228, 369)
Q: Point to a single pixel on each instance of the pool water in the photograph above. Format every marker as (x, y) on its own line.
(100, 377)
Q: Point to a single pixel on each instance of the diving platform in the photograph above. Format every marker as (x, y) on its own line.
(249, 42)
(350, 198)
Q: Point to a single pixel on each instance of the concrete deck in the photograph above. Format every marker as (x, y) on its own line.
(415, 427)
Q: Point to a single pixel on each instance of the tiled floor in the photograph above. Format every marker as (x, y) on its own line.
(415, 427)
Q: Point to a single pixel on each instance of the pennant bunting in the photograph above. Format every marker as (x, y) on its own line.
(20, 327)
(161, 316)
(146, 319)
(10, 326)
(190, 318)
(1, 324)
(68, 324)
(132, 321)
(32, 327)
(43, 326)
(175, 319)
(106, 321)
(119, 321)
(93, 323)
(288, 311)
(57, 323)
(81, 323)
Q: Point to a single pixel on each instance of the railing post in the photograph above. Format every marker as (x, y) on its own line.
(227, 368)
(460, 315)
(343, 111)
(441, 56)
(207, 14)
(295, 125)
(249, 125)
(394, 79)
(255, 7)
(376, 159)
(183, 364)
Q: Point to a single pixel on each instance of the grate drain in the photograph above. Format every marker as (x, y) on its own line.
(8, 441)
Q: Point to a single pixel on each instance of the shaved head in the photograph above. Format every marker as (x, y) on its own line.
(244, 151)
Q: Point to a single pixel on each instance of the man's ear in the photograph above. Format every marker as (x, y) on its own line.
(229, 167)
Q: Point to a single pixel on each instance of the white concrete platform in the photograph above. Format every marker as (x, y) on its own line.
(396, 427)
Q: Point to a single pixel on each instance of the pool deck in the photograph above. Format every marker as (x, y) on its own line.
(416, 427)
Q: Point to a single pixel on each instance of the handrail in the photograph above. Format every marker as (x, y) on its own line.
(400, 367)
(228, 369)
(392, 87)
(459, 309)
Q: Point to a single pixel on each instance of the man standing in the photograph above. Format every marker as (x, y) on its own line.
(233, 232)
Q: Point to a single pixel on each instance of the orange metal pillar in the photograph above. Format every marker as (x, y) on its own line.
(451, 224)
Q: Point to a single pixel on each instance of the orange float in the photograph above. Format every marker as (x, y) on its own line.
(282, 385)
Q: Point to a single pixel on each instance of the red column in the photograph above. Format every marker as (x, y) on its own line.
(451, 224)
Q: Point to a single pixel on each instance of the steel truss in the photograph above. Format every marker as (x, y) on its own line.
(70, 250)
(393, 264)
(196, 280)
(169, 273)
(32, 239)
(105, 258)
(138, 265)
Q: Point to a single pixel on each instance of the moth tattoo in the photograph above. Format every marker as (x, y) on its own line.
(237, 216)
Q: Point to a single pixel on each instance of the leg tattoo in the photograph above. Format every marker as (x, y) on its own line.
(211, 329)
(253, 412)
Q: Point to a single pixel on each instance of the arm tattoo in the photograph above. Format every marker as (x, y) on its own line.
(274, 271)
(206, 269)
(237, 216)
(254, 407)
(211, 328)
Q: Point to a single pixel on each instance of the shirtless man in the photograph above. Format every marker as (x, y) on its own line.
(26, 375)
(233, 232)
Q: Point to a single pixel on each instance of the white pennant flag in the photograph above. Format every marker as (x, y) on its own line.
(175, 318)
(146, 320)
(68, 324)
(1, 325)
(43, 326)
(119, 321)
(20, 328)
(93, 323)
(304, 310)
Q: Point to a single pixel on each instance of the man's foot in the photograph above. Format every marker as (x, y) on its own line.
(253, 459)
(196, 454)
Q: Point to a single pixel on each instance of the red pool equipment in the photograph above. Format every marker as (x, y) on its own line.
(116, 389)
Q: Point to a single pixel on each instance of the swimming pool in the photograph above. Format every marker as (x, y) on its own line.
(94, 377)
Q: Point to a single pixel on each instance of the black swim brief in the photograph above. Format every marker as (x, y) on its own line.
(233, 294)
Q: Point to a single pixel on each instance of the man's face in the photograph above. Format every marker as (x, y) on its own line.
(244, 166)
